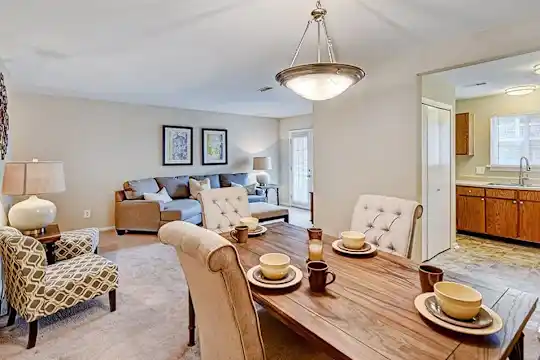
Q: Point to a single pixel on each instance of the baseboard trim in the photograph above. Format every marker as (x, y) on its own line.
(107, 228)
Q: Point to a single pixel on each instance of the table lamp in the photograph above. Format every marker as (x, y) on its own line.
(33, 215)
(262, 163)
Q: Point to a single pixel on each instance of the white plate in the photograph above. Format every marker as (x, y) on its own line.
(355, 253)
(258, 231)
(420, 304)
(298, 277)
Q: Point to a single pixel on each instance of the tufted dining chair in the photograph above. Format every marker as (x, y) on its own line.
(388, 222)
(219, 290)
(223, 208)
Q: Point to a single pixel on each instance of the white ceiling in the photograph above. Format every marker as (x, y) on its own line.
(214, 55)
(498, 76)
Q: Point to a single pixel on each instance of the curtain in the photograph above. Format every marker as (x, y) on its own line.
(4, 127)
(4, 119)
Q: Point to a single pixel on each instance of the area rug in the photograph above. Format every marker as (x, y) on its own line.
(150, 321)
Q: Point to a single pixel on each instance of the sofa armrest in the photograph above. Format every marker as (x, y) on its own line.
(141, 215)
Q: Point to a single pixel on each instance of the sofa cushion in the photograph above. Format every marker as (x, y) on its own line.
(180, 209)
(177, 186)
(161, 195)
(135, 189)
(256, 198)
(225, 180)
(214, 180)
(196, 186)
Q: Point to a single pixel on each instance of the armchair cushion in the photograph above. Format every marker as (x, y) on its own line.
(70, 282)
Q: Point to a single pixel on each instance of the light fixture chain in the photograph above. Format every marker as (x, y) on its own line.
(318, 41)
(329, 44)
(301, 42)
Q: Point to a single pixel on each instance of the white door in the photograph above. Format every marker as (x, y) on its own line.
(438, 195)
(301, 160)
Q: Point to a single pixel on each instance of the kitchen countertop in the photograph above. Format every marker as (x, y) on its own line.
(488, 184)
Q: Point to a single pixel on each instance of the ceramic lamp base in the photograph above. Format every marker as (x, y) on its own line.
(263, 178)
(32, 215)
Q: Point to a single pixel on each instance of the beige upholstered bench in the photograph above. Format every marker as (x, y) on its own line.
(265, 211)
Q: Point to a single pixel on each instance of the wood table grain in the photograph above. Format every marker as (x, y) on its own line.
(368, 312)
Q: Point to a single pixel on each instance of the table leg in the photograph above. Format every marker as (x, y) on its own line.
(277, 195)
(517, 351)
(49, 251)
(191, 326)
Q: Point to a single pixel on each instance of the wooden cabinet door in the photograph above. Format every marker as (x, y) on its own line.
(462, 134)
(470, 214)
(502, 217)
(529, 221)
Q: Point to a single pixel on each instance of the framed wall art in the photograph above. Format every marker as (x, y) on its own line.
(214, 147)
(177, 145)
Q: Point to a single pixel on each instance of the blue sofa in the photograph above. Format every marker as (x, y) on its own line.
(134, 213)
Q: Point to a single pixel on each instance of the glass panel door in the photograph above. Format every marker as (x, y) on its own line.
(301, 160)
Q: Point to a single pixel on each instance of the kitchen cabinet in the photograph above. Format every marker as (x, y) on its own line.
(470, 213)
(505, 213)
(502, 217)
(464, 134)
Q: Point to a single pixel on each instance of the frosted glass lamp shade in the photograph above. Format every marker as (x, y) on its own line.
(31, 178)
(320, 81)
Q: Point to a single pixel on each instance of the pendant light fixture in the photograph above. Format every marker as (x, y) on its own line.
(520, 90)
(320, 80)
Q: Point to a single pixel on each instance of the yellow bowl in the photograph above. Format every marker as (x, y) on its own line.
(250, 222)
(274, 266)
(459, 301)
(353, 239)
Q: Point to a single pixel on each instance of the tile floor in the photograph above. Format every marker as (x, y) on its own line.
(509, 265)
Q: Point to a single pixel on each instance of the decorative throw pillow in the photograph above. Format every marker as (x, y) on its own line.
(251, 188)
(162, 196)
(196, 186)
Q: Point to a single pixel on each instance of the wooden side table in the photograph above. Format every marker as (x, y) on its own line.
(48, 239)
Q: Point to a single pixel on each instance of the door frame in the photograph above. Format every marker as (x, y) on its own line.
(425, 180)
(290, 165)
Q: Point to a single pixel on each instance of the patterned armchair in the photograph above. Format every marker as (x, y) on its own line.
(76, 242)
(34, 290)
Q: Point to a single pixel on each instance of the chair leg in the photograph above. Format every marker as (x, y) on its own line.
(32, 334)
(112, 300)
(191, 326)
(517, 352)
(12, 314)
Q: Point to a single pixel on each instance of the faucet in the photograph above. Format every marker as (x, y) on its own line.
(522, 175)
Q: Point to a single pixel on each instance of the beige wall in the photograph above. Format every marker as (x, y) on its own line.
(368, 140)
(104, 144)
(286, 125)
(483, 110)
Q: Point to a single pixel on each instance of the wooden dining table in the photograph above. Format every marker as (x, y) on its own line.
(369, 313)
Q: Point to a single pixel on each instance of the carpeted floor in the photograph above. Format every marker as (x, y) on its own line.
(150, 321)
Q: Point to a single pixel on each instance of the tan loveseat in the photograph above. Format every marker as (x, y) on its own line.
(134, 213)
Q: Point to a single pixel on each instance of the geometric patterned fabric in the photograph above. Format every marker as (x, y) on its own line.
(35, 290)
(76, 242)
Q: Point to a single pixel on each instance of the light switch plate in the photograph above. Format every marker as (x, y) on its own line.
(480, 170)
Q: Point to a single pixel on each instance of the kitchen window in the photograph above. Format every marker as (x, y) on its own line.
(514, 136)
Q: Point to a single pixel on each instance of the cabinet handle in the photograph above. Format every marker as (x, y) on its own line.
(482, 199)
(470, 191)
(521, 202)
(514, 202)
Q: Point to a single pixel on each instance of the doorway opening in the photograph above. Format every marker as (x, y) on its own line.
(301, 167)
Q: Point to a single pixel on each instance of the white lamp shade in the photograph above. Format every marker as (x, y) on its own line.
(33, 177)
(262, 163)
